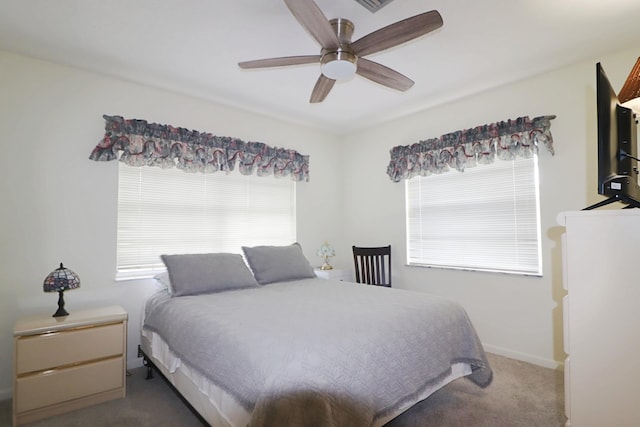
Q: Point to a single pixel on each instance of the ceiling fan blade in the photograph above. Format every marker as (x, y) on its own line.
(280, 62)
(321, 89)
(398, 33)
(383, 75)
(313, 20)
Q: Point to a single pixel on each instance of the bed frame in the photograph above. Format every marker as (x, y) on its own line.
(146, 362)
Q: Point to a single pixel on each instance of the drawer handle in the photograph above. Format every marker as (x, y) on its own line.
(65, 331)
(51, 371)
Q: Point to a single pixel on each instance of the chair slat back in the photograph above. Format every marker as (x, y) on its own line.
(373, 265)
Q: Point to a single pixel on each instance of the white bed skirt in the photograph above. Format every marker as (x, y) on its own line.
(215, 405)
(218, 407)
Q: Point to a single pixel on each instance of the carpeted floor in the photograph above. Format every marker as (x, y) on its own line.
(521, 395)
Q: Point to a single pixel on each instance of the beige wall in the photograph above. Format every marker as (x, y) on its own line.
(59, 206)
(515, 316)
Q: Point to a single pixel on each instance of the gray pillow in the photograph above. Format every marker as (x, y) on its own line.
(278, 263)
(193, 274)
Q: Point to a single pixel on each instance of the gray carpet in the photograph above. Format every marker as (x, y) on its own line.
(521, 395)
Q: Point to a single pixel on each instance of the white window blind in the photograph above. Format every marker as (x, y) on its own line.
(169, 211)
(485, 218)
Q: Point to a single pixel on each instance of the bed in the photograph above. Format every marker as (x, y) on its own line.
(275, 346)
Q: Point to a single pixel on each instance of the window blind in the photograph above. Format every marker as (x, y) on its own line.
(169, 211)
(485, 218)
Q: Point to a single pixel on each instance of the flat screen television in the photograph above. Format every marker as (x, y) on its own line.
(617, 147)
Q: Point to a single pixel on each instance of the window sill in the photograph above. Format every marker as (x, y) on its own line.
(124, 276)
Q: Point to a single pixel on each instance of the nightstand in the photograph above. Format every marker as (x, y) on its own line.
(342, 274)
(65, 363)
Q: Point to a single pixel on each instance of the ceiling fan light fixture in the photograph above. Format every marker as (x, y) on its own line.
(339, 66)
(339, 58)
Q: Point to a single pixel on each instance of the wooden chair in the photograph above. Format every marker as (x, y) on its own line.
(373, 265)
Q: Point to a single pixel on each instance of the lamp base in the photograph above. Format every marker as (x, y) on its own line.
(61, 311)
(326, 266)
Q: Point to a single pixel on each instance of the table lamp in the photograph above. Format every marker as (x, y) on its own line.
(59, 280)
(326, 251)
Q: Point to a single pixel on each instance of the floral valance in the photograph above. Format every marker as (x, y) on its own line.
(504, 140)
(152, 144)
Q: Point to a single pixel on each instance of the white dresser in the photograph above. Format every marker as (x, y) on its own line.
(65, 363)
(601, 274)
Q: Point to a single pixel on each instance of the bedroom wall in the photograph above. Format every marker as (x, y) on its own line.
(59, 206)
(515, 316)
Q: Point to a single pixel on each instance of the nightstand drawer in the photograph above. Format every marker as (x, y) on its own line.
(61, 385)
(68, 347)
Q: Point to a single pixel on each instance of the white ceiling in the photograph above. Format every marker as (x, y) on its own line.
(193, 47)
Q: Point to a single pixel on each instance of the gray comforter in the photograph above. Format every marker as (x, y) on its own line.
(320, 353)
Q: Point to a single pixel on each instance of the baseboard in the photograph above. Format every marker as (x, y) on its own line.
(535, 360)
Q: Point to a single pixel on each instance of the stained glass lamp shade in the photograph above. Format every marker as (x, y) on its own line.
(60, 280)
(326, 251)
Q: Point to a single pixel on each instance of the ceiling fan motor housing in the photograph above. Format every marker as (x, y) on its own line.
(340, 64)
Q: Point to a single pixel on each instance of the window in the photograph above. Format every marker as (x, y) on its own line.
(169, 211)
(486, 218)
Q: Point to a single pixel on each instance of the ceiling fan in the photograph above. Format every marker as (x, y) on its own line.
(340, 58)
